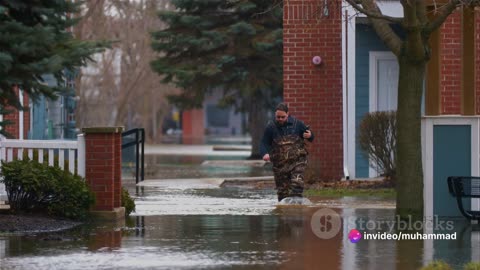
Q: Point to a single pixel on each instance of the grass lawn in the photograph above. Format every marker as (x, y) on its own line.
(385, 193)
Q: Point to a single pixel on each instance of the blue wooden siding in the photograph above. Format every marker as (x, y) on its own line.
(39, 115)
(39, 120)
(451, 156)
(366, 40)
(50, 118)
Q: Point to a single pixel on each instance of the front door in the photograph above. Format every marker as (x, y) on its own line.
(383, 81)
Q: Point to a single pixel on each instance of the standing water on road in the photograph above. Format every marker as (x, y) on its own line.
(185, 220)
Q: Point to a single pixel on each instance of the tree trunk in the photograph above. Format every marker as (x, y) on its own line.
(409, 148)
(256, 123)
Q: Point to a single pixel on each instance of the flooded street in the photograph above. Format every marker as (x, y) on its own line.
(185, 220)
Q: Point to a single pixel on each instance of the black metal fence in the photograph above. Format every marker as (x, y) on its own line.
(135, 137)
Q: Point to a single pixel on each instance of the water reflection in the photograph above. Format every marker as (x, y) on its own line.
(105, 240)
(284, 239)
(3, 248)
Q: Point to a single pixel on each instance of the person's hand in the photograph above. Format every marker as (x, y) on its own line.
(266, 157)
(307, 134)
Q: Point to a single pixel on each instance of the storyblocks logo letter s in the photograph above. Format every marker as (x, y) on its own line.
(326, 223)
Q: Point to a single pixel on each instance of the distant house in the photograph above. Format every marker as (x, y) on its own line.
(45, 119)
(53, 119)
(222, 121)
(213, 120)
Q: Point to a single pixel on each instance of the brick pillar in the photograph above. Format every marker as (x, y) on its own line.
(314, 92)
(103, 153)
(193, 128)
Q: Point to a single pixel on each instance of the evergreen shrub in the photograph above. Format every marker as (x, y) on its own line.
(33, 186)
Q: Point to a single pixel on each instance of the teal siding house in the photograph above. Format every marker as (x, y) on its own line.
(53, 119)
(450, 108)
(367, 42)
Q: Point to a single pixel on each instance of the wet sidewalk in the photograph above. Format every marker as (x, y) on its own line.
(198, 150)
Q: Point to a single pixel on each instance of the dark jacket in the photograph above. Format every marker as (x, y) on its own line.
(273, 131)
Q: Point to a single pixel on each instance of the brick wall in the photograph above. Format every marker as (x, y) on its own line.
(103, 166)
(13, 128)
(451, 65)
(14, 116)
(477, 59)
(314, 93)
(117, 177)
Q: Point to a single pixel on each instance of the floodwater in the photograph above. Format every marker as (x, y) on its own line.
(184, 220)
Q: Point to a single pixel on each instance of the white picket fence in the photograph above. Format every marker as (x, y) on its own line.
(74, 149)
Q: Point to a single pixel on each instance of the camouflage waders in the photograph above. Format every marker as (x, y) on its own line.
(289, 158)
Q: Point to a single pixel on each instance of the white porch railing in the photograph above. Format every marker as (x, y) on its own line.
(74, 149)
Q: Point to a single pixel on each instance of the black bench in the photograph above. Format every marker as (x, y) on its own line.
(465, 187)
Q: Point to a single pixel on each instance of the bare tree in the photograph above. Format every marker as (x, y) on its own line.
(421, 18)
(120, 88)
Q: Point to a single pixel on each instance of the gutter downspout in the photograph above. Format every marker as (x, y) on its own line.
(345, 98)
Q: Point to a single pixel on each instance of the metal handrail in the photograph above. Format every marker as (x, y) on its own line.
(139, 141)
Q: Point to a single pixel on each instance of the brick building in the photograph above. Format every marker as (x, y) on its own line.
(359, 74)
(20, 120)
(314, 93)
(334, 96)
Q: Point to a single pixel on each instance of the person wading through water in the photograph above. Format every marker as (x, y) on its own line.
(283, 144)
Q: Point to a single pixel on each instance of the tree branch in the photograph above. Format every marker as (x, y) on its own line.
(421, 10)
(444, 12)
(373, 14)
(380, 23)
(272, 7)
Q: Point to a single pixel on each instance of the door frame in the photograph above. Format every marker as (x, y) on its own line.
(374, 56)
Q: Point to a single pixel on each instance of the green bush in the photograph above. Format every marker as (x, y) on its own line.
(127, 202)
(36, 186)
(377, 138)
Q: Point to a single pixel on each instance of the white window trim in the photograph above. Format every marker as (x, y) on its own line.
(374, 56)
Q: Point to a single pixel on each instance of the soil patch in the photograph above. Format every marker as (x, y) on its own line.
(31, 223)
(352, 184)
(348, 184)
